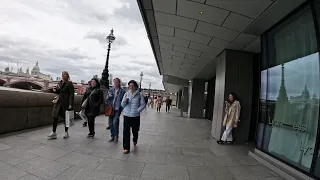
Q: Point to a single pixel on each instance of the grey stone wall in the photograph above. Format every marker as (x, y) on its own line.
(21, 110)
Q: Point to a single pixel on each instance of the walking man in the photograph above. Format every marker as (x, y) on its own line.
(168, 104)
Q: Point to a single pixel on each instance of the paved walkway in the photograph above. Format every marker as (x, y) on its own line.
(169, 148)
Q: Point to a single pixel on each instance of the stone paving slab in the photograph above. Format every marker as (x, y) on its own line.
(169, 148)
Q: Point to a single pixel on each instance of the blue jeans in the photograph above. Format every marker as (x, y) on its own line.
(114, 123)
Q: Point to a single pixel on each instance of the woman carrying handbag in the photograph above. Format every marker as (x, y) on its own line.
(62, 102)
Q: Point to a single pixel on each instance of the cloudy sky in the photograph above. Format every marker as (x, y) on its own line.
(70, 35)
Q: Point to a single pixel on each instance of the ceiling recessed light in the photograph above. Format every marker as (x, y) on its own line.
(201, 12)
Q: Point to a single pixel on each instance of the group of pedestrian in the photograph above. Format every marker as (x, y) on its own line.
(130, 103)
(158, 102)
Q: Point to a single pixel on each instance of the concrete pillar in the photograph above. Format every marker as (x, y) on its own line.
(196, 98)
(179, 94)
(234, 71)
(185, 99)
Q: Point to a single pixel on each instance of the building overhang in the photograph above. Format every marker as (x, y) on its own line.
(187, 35)
(174, 84)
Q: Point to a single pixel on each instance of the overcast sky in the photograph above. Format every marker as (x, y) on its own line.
(70, 35)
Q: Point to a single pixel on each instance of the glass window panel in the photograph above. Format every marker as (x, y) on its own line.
(316, 6)
(292, 94)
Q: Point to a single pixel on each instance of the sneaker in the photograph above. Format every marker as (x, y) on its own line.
(112, 139)
(108, 127)
(90, 135)
(84, 124)
(220, 142)
(135, 143)
(66, 135)
(126, 151)
(52, 135)
(116, 139)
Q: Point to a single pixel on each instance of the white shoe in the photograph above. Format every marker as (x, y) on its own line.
(52, 135)
(66, 135)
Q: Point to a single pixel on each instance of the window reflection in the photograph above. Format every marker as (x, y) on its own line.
(290, 91)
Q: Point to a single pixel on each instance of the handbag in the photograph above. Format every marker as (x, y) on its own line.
(109, 111)
(85, 102)
(55, 100)
(69, 118)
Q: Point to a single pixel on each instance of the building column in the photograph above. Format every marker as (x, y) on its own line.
(196, 98)
(179, 94)
(185, 99)
(234, 72)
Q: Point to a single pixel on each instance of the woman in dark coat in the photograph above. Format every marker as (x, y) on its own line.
(63, 101)
(92, 108)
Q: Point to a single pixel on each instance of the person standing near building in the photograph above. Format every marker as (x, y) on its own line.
(168, 104)
(92, 109)
(159, 103)
(62, 102)
(231, 118)
(114, 99)
(133, 104)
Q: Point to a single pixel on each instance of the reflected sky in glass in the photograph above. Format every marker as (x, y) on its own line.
(297, 74)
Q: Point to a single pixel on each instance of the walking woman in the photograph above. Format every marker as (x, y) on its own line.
(133, 104)
(159, 103)
(62, 102)
(92, 108)
(231, 118)
(114, 99)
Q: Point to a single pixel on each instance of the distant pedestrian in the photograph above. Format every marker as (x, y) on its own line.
(159, 103)
(168, 104)
(62, 102)
(114, 99)
(133, 104)
(92, 109)
(152, 102)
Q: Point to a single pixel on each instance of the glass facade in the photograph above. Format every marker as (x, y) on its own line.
(290, 91)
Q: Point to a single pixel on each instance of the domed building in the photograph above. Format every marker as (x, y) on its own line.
(36, 73)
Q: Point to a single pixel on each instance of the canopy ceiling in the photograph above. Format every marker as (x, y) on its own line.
(187, 35)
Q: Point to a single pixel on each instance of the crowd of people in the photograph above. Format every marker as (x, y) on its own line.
(130, 104)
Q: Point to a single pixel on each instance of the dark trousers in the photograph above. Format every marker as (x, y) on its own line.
(130, 122)
(91, 120)
(158, 109)
(167, 108)
(55, 121)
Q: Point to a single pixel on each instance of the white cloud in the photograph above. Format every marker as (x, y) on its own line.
(70, 35)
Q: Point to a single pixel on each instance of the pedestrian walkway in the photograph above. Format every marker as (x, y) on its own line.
(169, 148)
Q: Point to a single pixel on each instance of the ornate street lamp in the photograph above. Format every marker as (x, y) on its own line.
(141, 75)
(105, 74)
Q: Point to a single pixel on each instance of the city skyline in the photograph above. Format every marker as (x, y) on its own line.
(82, 52)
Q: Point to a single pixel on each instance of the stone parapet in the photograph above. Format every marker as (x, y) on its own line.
(21, 109)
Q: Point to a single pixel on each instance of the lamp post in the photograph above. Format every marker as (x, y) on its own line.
(141, 75)
(105, 74)
(149, 89)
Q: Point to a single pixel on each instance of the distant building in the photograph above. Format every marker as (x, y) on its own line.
(35, 73)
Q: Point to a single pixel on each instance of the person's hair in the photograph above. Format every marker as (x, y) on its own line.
(97, 82)
(135, 84)
(234, 96)
(117, 79)
(67, 74)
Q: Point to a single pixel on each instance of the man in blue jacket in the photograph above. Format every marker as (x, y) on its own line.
(114, 99)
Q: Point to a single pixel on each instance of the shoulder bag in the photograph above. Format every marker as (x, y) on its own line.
(85, 102)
